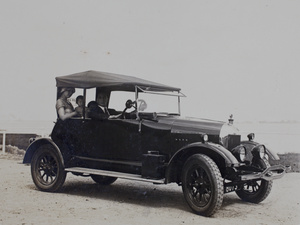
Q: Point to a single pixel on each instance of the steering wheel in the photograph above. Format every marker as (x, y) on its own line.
(129, 104)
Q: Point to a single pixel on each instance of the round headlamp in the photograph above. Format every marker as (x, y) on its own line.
(204, 137)
(259, 151)
(240, 153)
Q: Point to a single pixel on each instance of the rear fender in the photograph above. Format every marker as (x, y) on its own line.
(32, 148)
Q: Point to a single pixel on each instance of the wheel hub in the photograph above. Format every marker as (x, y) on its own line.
(48, 169)
(201, 186)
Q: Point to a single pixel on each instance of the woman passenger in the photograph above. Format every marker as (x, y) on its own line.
(64, 108)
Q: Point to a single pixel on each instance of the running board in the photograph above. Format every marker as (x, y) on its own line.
(128, 176)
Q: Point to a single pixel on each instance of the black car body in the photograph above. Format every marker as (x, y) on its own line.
(208, 158)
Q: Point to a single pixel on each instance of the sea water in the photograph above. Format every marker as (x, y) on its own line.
(281, 137)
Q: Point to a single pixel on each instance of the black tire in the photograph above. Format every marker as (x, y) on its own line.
(256, 191)
(202, 185)
(47, 169)
(103, 180)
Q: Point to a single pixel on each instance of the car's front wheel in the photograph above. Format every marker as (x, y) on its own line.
(47, 169)
(256, 191)
(202, 185)
(103, 180)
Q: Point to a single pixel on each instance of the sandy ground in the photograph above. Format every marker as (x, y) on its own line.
(126, 202)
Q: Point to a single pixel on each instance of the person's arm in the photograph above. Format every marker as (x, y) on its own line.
(63, 115)
(115, 116)
(97, 115)
(79, 111)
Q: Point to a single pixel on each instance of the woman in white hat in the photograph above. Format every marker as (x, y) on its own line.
(64, 108)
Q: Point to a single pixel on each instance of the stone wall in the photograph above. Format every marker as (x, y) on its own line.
(19, 140)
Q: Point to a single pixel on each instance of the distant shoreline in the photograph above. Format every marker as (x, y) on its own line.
(269, 122)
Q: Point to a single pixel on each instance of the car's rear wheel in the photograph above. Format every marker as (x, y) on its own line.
(103, 180)
(202, 185)
(256, 191)
(47, 169)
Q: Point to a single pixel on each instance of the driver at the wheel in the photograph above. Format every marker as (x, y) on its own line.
(98, 109)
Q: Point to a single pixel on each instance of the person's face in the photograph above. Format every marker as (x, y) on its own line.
(102, 99)
(67, 93)
(80, 102)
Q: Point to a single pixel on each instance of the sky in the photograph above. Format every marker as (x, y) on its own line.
(228, 57)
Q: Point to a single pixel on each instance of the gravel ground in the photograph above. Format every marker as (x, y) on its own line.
(82, 201)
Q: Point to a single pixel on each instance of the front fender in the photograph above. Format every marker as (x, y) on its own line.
(35, 145)
(222, 157)
(230, 160)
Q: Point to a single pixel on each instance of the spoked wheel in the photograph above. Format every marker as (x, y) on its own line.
(256, 191)
(103, 180)
(47, 170)
(202, 185)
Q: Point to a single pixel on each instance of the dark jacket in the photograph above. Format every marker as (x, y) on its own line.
(95, 112)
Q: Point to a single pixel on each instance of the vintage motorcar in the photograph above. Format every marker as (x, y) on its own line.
(151, 143)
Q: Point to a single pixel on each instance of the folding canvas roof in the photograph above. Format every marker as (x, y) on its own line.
(109, 81)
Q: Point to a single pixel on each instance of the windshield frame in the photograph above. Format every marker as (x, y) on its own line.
(177, 94)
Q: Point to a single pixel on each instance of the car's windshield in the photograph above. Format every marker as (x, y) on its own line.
(146, 102)
(159, 103)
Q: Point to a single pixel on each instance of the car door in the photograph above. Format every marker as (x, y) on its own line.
(155, 136)
(113, 139)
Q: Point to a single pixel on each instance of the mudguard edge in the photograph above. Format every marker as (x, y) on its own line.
(35, 145)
